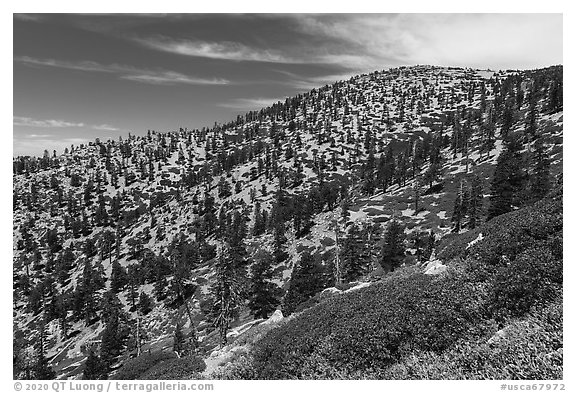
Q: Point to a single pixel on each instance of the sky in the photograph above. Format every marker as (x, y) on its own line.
(77, 77)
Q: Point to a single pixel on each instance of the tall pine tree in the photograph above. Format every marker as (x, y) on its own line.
(393, 249)
(508, 180)
(264, 293)
(305, 282)
(354, 255)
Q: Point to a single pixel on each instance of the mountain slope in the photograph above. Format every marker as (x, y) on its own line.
(152, 214)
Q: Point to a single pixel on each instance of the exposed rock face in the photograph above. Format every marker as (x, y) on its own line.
(274, 318)
(499, 335)
(434, 267)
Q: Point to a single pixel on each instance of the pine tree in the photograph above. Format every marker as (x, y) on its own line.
(42, 370)
(182, 345)
(369, 183)
(145, 303)
(432, 174)
(460, 207)
(354, 255)
(118, 277)
(540, 181)
(393, 249)
(508, 180)
(475, 202)
(264, 294)
(345, 209)
(305, 282)
(115, 331)
(531, 120)
(86, 292)
(278, 244)
(226, 294)
(93, 368)
(259, 224)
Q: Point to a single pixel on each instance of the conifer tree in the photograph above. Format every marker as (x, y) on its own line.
(42, 369)
(86, 292)
(393, 249)
(278, 244)
(115, 331)
(354, 255)
(460, 207)
(508, 180)
(93, 368)
(145, 303)
(264, 294)
(540, 181)
(226, 293)
(475, 202)
(259, 224)
(182, 345)
(305, 282)
(118, 277)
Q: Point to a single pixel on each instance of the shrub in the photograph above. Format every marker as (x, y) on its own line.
(506, 236)
(239, 368)
(414, 326)
(531, 349)
(133, 368)
(183, 368)
(371, 327)
(535, 276)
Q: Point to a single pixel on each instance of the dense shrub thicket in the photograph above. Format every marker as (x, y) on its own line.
(161, 365)
(394, 329)
(373, 326)
(133, 368)
(507, 235)
(184, 368)
(530, 349)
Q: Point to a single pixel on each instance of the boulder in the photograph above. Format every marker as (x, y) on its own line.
(435, 267)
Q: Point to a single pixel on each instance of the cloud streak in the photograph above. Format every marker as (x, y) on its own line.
(248, 104)
(29, 17)
(23, 121)
(106, 127)
(29, 122)
(236, 51)
(214, 50)
(154, 77)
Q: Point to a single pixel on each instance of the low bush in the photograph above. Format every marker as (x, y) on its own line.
(531, 348)
(534, 277)
(183, 368)
(506, 236)
(372, 327)
(240, 367)
(133, 368)
(412, 325)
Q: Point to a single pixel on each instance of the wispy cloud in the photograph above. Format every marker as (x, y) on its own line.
(105, 127)
(22, 121)
(215, 50)
(39, 135)
(155, 77)
(236, 51)
(172, 78)
(29, 122)
(248, 104)
(29, 17)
